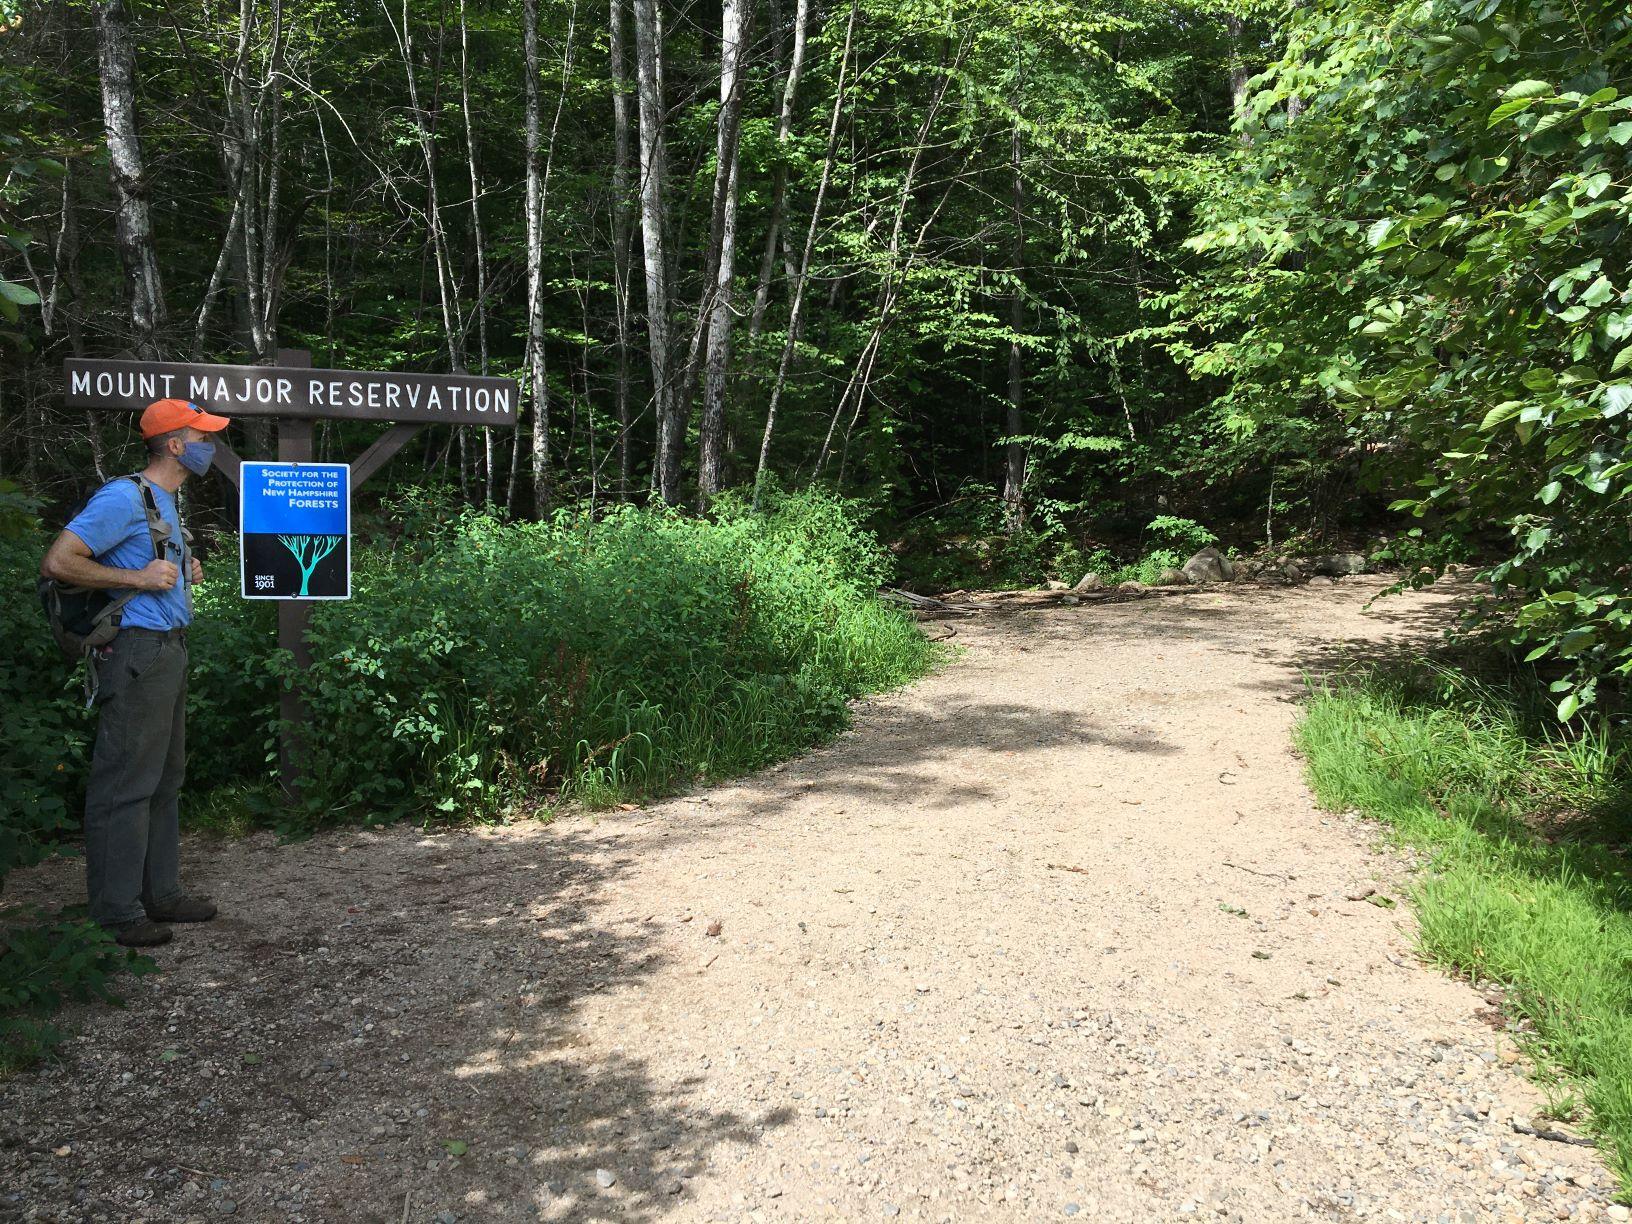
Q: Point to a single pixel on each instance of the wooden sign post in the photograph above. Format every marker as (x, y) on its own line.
(295, 394)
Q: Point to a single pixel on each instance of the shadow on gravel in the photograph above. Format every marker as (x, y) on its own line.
(907, 748)
(387, 1027)
(1418, 627)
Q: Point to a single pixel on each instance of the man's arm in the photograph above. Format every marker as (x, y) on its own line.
(69, 560)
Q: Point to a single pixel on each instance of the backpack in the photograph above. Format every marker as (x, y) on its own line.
(83, 620)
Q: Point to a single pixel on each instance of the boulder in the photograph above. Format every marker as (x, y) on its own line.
(1130, 586)
(1292, 572)
(1323, 580)
(1090, 582)
(1209, 565)
(1171, 577)
(1336, 565)
(1054, 584)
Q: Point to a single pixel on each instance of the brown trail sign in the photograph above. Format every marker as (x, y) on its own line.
(295, 393)
(293, 389)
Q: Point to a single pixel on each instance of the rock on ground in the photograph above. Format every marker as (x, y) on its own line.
(1337, 565)
(1055, 932)
(1209, 565)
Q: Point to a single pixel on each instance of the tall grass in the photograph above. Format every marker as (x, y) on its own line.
(484, 666)
(1526, 829)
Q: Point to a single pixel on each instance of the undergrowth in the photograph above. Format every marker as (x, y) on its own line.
(1526, 826)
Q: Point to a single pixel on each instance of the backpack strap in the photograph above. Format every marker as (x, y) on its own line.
(157, 528)
(160, 531)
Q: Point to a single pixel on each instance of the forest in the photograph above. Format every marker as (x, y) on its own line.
(1037, 286)
(808, 300)
(915, 254)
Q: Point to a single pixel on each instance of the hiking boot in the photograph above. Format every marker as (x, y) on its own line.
(142, 933)
(183, 909)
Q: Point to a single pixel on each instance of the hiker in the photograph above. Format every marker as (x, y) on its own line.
(128, 538)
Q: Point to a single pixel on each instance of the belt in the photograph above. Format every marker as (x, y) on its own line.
(164, 635)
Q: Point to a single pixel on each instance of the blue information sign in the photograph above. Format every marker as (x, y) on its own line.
(294, 530)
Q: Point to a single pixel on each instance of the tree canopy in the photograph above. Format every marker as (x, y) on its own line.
(1054, 275)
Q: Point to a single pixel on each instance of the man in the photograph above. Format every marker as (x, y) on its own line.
(132, 842)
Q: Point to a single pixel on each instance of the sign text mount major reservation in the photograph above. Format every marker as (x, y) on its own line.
(291, 391)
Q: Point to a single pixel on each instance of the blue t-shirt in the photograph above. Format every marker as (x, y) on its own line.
(113, 526)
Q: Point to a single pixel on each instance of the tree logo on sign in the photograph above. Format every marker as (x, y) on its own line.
(309, 551)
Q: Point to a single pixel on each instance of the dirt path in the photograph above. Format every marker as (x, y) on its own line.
(982, 958)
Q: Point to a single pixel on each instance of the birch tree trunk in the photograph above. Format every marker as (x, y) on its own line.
(447, 289)
(1235, 27)
(244, 157)
(271, 260)
(802, 276)
(621, 229)
(1014, 468)
(653, 227)
(116, 61)
(733, 26)
(535, 262)
(481, 243)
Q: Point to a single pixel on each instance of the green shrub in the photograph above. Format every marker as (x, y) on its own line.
(1180, 533)
(1146, 569)
(1423, 553)
(966, 543)
(487, 660)
(42, 754)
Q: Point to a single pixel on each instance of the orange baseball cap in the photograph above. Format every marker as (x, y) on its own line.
(162, 416)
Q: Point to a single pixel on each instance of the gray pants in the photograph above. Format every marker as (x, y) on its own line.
(132, 842)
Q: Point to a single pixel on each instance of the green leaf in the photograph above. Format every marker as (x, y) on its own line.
(1508, 109)
(1539, 379)
(20, 294)
(1568, 707)
(1379, 233)
(1597, 293)
(1527, 89)
(1550, 491)
(1500, 413)
(455, 1147)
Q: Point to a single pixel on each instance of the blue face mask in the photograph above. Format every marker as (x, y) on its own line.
(196, 456)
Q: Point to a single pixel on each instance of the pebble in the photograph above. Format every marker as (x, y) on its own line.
(605, 1178)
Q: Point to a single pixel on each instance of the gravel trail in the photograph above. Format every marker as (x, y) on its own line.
(1056, 932)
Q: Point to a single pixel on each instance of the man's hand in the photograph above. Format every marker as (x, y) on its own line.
(196, 575)
(157, 576)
